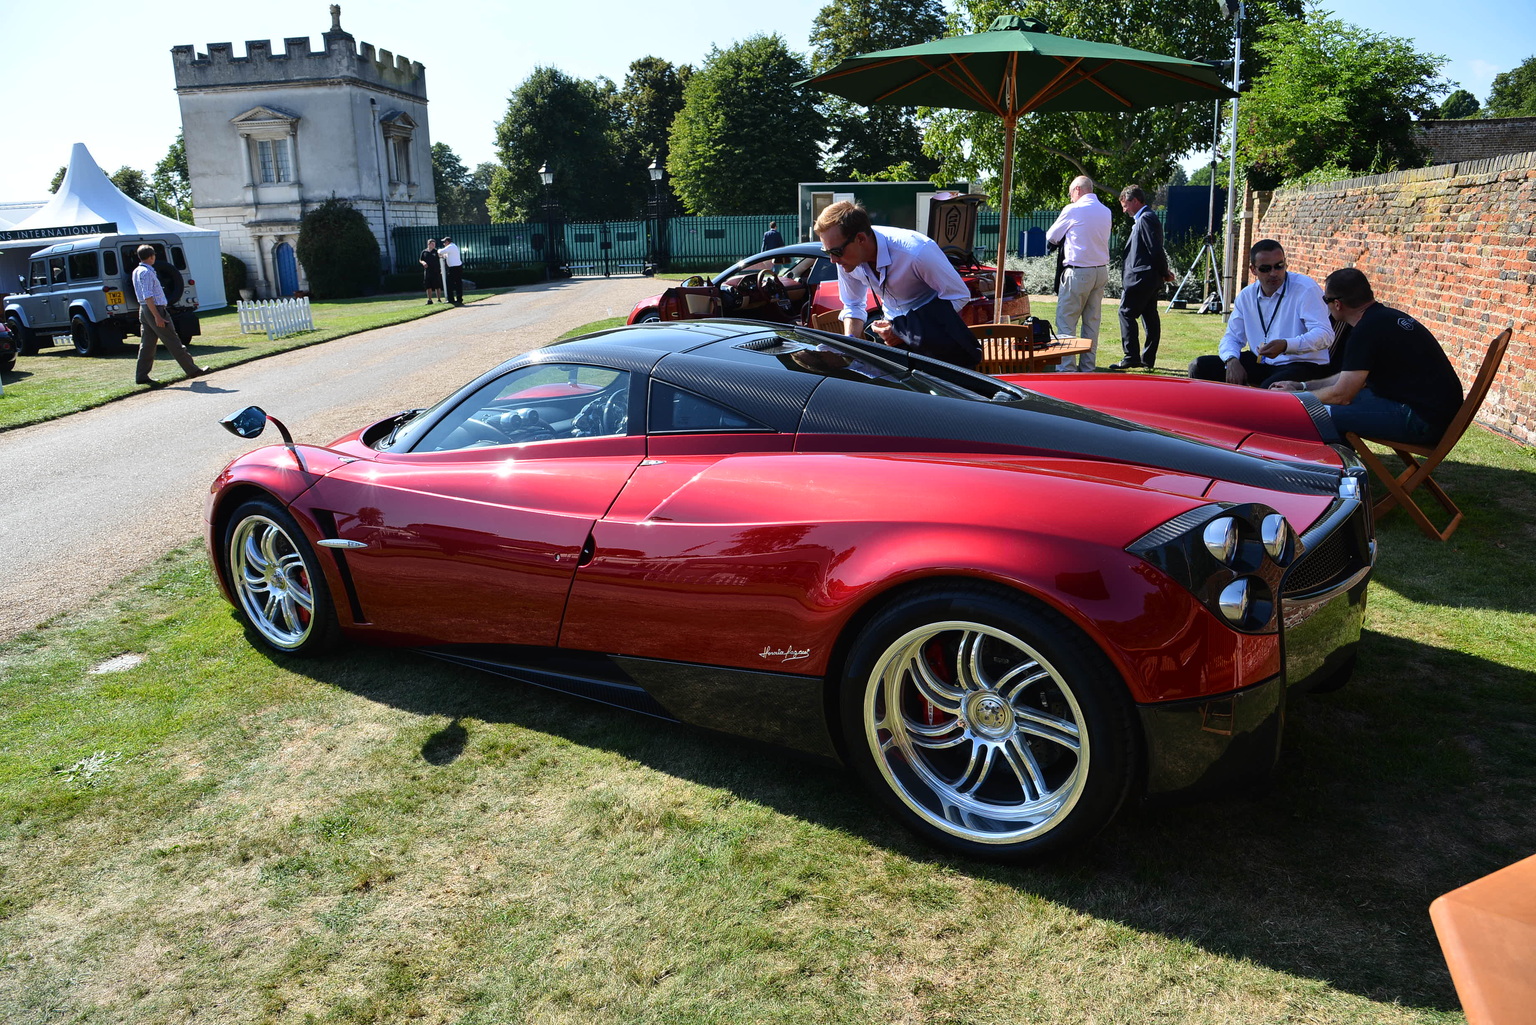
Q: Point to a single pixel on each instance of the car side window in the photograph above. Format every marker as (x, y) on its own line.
(109, 262)
(675, 411)
(544, 402)
(82, 266)
(38, 277)
(56, 269)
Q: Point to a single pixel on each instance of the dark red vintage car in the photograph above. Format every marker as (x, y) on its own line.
(1008, 604)
(796, 284)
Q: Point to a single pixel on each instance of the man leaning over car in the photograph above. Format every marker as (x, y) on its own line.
(919, 289)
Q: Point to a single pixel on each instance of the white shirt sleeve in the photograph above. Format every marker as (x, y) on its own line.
(855, 296)
(1313, 314)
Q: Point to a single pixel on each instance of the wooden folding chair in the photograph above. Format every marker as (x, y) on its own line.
(1419, 461)
(1005, 348)
(828, 320)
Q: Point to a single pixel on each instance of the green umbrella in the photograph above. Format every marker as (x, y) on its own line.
(1013, 68)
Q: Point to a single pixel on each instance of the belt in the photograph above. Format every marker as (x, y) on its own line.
(1083, 266)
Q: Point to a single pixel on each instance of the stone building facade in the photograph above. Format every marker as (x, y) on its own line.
(1454, 245)
(271, 135)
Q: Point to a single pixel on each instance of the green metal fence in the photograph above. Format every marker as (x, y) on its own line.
(628, 247)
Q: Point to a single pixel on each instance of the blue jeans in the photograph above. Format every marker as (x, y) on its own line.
(1372, 416)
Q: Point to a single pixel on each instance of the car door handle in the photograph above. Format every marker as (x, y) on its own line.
(337, 542)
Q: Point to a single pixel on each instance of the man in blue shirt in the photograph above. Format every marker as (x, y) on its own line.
(155, 323)
(919, 289)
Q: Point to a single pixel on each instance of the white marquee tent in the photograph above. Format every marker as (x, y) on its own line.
(88, 197)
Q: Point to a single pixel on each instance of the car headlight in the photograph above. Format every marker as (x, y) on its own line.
(1276, 535)
(1232, 558)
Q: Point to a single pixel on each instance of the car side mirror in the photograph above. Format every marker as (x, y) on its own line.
(251, 421)
(248, 423)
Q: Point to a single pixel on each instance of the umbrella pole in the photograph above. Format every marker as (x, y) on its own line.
(1010, 122)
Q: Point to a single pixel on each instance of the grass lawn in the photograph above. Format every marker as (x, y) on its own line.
(213, 833)
(57, 382)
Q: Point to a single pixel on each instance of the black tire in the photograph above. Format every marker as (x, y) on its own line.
(85, 336)
(7, 364)
(648, 316)
(171, 281)
(280, 591)
(1014, 736)
(27, 342)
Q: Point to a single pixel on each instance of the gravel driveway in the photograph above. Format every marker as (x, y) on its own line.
(92, 497)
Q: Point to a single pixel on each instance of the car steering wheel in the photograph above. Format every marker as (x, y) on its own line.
(606, 414)
(773, 289)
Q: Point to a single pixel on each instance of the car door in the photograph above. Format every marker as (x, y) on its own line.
(473, 539)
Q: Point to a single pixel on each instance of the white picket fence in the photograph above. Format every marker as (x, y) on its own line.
(278, 318)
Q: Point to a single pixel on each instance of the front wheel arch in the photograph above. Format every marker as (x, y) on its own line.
(275, 577)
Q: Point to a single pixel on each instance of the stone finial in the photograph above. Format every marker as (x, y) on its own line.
(335, 17)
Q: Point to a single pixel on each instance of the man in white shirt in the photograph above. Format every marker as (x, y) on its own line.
(155, 322)
(1279, 329)
(919, 289)
(1083, 232)
(455, 266)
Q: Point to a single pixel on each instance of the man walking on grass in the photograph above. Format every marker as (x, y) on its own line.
(155, 322)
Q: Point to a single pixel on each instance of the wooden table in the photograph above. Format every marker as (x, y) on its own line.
(1006, 356)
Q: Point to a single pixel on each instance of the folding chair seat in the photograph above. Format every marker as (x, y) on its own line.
(1420, 461)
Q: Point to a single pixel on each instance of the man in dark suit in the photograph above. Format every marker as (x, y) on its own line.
(1146, 268)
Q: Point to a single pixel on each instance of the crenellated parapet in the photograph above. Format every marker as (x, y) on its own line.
(341, 58)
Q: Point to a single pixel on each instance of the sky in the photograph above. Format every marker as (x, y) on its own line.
(117, 95)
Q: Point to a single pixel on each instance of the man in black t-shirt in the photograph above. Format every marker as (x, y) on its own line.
(1395, 382)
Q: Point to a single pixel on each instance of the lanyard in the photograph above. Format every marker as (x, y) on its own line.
(1275, 314)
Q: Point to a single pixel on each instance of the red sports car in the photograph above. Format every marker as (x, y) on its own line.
(795, 284)
(1008, 604)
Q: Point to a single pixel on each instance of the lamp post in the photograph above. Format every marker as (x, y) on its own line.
(1234, 10)
(551, 258)
(658, 255)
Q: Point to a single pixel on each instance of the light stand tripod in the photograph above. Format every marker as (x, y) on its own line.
(1214, 302)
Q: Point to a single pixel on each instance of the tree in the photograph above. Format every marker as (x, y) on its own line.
(460, 198)
(1514, 92)
(338, 250)
(746, 133)
(566, 124)
(648, 103)
(171, 181)
(869, 141)
(132, 183)
(1460, 104)
(1113, 149)
(1335, 95)
(58, 179)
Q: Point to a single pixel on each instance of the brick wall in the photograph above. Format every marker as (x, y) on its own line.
(1478, 138)
(1451, 244)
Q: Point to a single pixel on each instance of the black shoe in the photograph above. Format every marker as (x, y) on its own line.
(147, 380)
(1128, 364)
(199, 372)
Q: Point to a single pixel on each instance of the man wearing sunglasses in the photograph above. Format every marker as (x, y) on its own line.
(919, 289)
(1279, 328)
(1395, 382)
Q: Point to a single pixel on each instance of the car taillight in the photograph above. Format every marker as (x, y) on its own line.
(191, 281)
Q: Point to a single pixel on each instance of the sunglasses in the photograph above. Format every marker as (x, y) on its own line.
(837, 251)
(1329, 300)
(1265, 268)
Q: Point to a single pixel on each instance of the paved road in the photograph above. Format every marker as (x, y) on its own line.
(89, 498)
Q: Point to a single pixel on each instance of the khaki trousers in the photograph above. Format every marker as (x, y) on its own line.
(149, 334)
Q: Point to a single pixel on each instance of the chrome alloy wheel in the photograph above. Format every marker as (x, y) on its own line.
(271, 581)
(976, 732)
